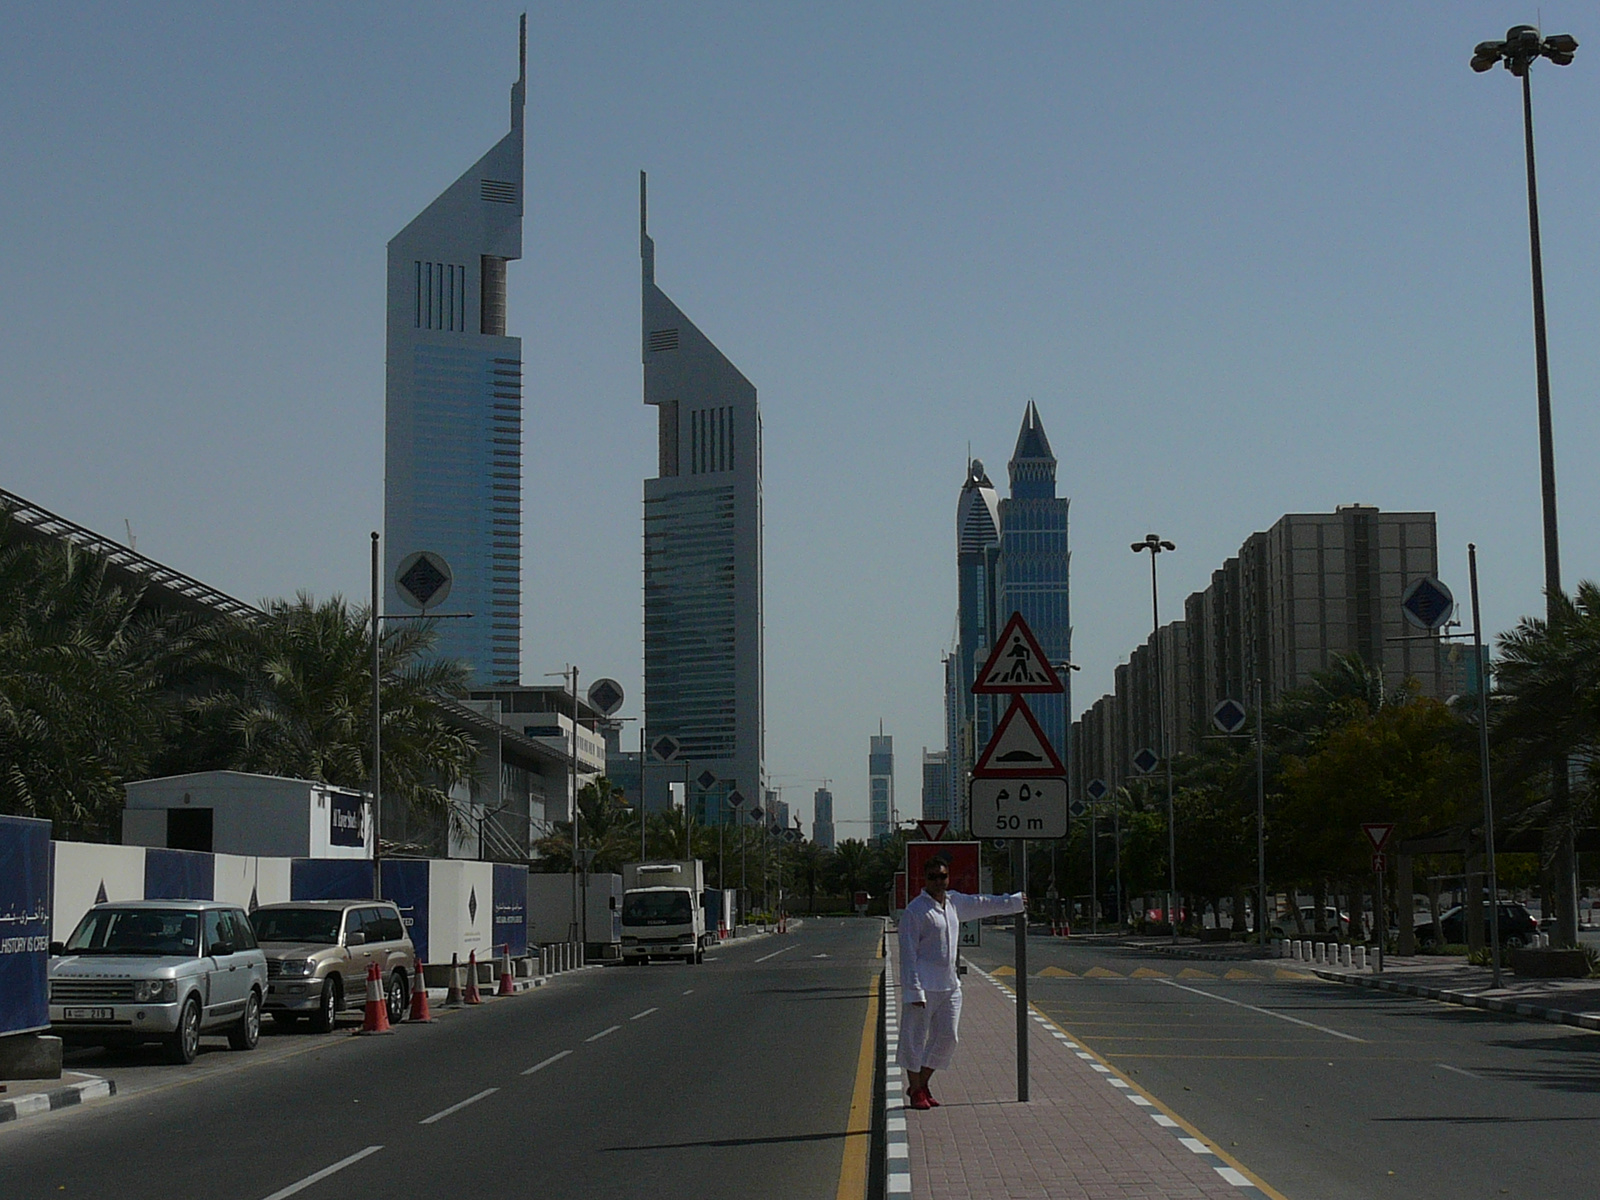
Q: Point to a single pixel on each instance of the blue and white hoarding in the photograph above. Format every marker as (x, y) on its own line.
(24, 925)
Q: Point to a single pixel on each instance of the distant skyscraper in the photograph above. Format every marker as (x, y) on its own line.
(453, 427)
(977, 549)
(880, 784)
(703, 657)
(1033, 568)
(935, 785)
(822, 819)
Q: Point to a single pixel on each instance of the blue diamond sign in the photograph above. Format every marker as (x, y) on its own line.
(1229, 716)
(1146, 761)
(1097, 789)
(1077, 808)
(1427, 603)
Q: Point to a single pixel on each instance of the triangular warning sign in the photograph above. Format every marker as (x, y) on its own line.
(1018, 749)
(1016, 664)
(932, 830)
(1378, 833)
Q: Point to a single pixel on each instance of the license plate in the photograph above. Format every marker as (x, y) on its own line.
(88, 1014)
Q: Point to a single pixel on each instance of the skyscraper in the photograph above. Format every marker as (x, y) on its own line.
(703, 656)
(453, 423)
(935, 785)
(1033, 567)
(822, 819)
(880, 784)
(977, 549)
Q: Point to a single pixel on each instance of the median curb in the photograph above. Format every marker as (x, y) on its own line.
(1514, 1008)
(35, 1103)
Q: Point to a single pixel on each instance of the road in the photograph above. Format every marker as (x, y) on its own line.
(722, 1080)
(1326, 1091)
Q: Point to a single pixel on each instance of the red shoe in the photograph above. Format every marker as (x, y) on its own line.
(928, 1096)
(921, 1101)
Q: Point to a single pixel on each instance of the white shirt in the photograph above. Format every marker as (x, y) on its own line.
(930, 933)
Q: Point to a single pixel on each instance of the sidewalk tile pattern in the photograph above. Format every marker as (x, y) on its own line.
(1077, 1136)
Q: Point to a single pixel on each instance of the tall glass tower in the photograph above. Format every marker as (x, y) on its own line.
(977, 552)
(880, 784)
(703, 657)
(453, 418)
(1034, 562)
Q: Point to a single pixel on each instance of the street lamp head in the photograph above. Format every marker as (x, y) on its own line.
(1523, 44)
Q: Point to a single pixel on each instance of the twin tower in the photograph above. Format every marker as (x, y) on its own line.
(453, 483)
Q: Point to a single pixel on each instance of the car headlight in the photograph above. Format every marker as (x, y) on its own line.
(298, 967)
(155, 991)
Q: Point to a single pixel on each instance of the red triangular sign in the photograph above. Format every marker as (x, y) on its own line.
(1018, 749)
(932, 831)
(1016, 664)
(1378, 834)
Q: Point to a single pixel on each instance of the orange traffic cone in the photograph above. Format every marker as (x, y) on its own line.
(377, 1016)
(507, 988)
(722, 931)
(419, 998)
(470, 996)
(452, 993)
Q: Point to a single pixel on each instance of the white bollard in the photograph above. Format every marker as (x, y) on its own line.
(1361, 958)
(1344, 956)
(1319, 953)
(1294, 949)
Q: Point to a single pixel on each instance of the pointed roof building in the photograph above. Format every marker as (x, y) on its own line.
(1033, 464)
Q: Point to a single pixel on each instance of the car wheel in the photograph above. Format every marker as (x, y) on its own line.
(184, 1043)
(398, 996)
(247, 1032)
(329, 1005)
(284, 1020)
(1515, 942)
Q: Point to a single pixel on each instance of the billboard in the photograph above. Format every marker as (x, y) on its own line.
(24, 924)
(963, 859)
(511, 907)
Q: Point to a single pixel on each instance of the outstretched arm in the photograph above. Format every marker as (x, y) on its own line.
(975, 908)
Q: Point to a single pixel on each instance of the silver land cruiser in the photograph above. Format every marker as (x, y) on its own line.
(319, 951)
(159, 971)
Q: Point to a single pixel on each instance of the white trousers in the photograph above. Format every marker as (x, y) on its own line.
(928, 1034)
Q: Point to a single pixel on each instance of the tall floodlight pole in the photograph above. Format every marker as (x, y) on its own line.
(377, 739)
(1155, 545)
(1261, 822)
(579, 922)
(1522, 45)
(1483, 762)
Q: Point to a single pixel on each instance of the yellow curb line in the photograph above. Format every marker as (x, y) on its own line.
(853, 1170)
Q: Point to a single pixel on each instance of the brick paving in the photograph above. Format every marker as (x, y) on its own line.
(1084, 1132)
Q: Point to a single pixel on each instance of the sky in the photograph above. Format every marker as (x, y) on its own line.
(1247, 260)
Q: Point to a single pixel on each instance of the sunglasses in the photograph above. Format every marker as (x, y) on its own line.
(938, 874)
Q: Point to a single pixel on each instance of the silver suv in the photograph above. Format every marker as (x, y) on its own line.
(159, 971)
(319, 951)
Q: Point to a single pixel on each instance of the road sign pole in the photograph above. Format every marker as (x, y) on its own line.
(1262, 921)
(1094, 871)
(1020, 849)
(1383, 920)
(1483, 763)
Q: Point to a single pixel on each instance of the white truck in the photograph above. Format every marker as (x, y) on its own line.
(662, 916)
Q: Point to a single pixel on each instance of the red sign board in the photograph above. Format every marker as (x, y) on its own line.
(899, 891)
(1016, 664)
(963, 859)
(1378, 834)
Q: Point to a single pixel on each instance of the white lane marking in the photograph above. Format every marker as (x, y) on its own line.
(1267, 1012)
(554, 1058)
(645, 1013)
(603, 1033)
(318, 1176)
(443, 1113)
(1457, 1070)
(713, 958)
(774, 954)
(1237, 1178)
(686, 991)
(1163, 1120)
(1194, 1145)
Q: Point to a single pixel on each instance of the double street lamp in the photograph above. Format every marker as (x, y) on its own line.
(1155, 545)
(1523, 44)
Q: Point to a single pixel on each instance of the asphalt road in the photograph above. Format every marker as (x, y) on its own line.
(722, 1080)
(1330, 1092)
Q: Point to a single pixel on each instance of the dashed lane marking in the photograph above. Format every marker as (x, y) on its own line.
(595, 1037)
(775, 953)
(455, 1108)
(554, 1058)
(1457, 1070)
(318, 1176)
(645, 1013)
(1267, 1012)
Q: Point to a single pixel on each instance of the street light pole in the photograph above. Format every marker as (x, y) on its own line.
(1261, 823)
(1522, 45)
(377, 738)
(1155, 545)
(1483, 759)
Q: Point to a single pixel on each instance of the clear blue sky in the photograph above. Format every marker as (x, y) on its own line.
(1248, 259)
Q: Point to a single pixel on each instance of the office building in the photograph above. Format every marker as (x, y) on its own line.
(935, 785)
(453, 415)
(822, 819)
(1032, 568)
(880, 785)
(977, 552)
(703, 656)
(1312, 587)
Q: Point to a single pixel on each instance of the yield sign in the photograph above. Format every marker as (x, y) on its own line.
(1378, 834)
(932, 831)
(1018, 749)
(1016, 664)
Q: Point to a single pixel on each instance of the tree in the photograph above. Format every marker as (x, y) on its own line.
(850, 867)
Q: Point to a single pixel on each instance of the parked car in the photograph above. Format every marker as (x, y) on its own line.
(163, 971)
(318, 954)
(1517, 926)
(1333, 921)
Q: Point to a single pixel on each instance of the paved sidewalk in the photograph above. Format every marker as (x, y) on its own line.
(1085, 1132)
(1560, 1001)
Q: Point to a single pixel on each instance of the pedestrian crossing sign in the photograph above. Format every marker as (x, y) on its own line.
(1016, 664)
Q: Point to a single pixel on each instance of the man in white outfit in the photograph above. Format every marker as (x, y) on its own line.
(930, 935)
